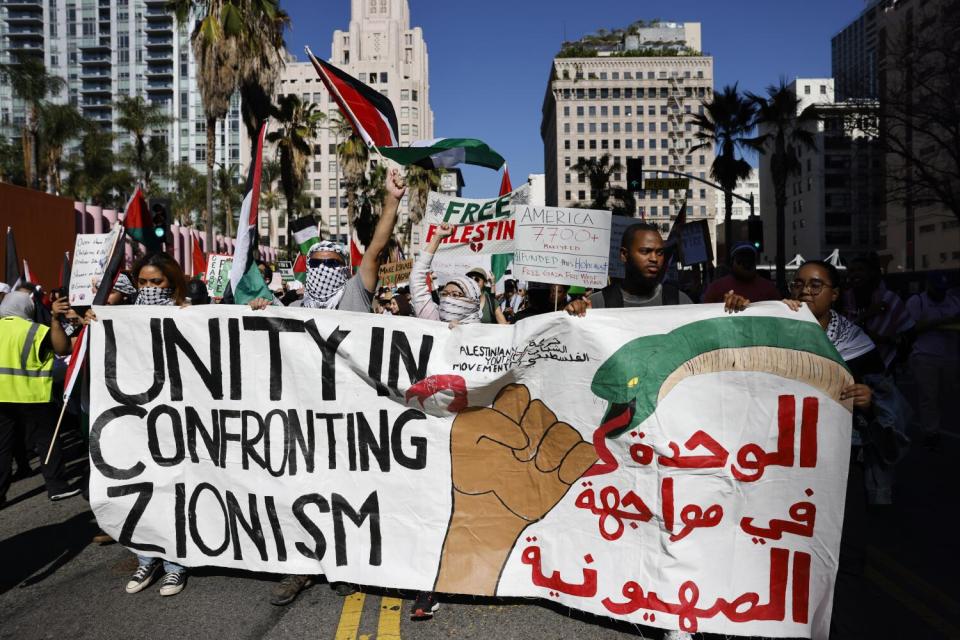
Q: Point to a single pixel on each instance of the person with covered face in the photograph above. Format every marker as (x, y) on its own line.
(459, 298)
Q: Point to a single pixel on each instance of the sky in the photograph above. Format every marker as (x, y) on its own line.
(490, 59)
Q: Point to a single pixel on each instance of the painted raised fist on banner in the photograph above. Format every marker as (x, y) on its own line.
(511, 463)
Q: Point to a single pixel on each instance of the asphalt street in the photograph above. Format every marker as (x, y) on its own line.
(54, 583)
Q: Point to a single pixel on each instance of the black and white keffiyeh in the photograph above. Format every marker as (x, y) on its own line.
(848, 339)
(155, 296)
(324, 286)
(463, 310)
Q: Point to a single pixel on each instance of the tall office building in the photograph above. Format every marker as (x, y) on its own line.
(105, 49)
(381, 49)
(629, 94)
(835, 200)
(854, 58)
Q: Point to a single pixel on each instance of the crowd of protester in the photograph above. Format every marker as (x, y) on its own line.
(879, 334)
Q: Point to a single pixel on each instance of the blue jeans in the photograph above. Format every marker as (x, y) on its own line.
(168, 567)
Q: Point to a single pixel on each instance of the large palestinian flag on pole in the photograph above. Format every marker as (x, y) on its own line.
(305, 235)
(369, 112)
(137, 222)
(445, 153)
(246, 283)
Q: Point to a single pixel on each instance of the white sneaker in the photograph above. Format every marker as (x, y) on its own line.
(143, 577)
(677, 635)
(173, 583)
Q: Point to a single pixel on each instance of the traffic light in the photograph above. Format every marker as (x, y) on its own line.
(755, 232)
(634, 174)
(160, 216)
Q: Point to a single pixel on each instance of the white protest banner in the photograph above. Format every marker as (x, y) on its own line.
(218, 273)
(673, 466)
(483, 226)
(562, 246)
(90, 254)
(618, 224)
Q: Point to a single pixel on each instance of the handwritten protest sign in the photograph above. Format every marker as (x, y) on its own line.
(562, 246)
(483, 226)
(218, 274)
(695, 246)
(90, 254)
(394, 273)
(673, 467)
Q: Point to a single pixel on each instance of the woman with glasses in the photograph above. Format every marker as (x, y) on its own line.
(459, 298)
(817, 285)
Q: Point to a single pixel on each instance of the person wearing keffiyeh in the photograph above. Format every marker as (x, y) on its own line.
(459, 298)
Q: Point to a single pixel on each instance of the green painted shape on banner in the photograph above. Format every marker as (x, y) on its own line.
(639, 368)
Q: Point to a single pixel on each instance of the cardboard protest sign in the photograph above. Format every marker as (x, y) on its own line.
(285, 268)
(91, 251)
(218, 274)
(673, 466)
(562, 246)
(394, 273)
(483, 226)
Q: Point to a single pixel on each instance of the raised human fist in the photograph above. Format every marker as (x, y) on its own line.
(511, 463)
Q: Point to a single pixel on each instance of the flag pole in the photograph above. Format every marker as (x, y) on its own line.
(56, 432)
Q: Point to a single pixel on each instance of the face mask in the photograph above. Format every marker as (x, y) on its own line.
(155, 296)
(324, 286)
(459, 309)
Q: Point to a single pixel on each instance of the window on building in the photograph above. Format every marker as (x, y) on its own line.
(580, 144)
(566, 112)
(332, 183)
(604, 144)
(823, 89)
(593, 144)
(604, 111)
(628, 127)
(566, 144)
(332, 166)
(806, 89)
(580, 111)
(581, 127)
(604, 127)
(593, 127)
(566, 127)
(593, 111)
(413, 95)
(582, 195)
(317, 184)
(383, 77)
(404, 94)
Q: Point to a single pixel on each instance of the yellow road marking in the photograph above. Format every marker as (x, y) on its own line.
(930, 593)
(388, 628)
(924, 612)
(350, 617)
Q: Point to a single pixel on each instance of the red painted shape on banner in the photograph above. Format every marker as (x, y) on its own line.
(607, 462)
(666, 503)
(808, 432)
(801, 586)
(429, 387)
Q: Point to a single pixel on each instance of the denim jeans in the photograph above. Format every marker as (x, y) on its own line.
(168, 567)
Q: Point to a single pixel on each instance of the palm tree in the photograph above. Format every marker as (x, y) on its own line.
(785, 130)
(31, 83)
(353, 157)
(188, 194)
(298, 125)
(139, 119)
(420, 182)
(237, 44)
(228, 196)
(724, 126)
(92, 176)
(59, 124)
(598, 174)
(369, 202)
(11, 167)
(269, 198)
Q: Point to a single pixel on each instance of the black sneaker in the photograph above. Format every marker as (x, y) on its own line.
(173, 583)
(286, 591)
(143, 577)
(66, 493)
(424, 606)
(343, 589)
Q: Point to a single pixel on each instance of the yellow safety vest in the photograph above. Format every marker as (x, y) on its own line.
(25, 376)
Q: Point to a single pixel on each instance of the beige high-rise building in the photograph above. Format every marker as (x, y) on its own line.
(630, 94)
(381, 49)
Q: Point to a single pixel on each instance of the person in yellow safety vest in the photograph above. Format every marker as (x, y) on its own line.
(27, 350)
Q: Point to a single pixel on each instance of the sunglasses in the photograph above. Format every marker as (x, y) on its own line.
(324, 262)
(815, 286)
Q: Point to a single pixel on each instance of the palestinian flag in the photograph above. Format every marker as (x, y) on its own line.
(12, 275)
(444, 153)
(505, 186)
(369, 112)
(199, 259)
(305, 234)
(27, 274)
(137, 222)
(246, 283)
